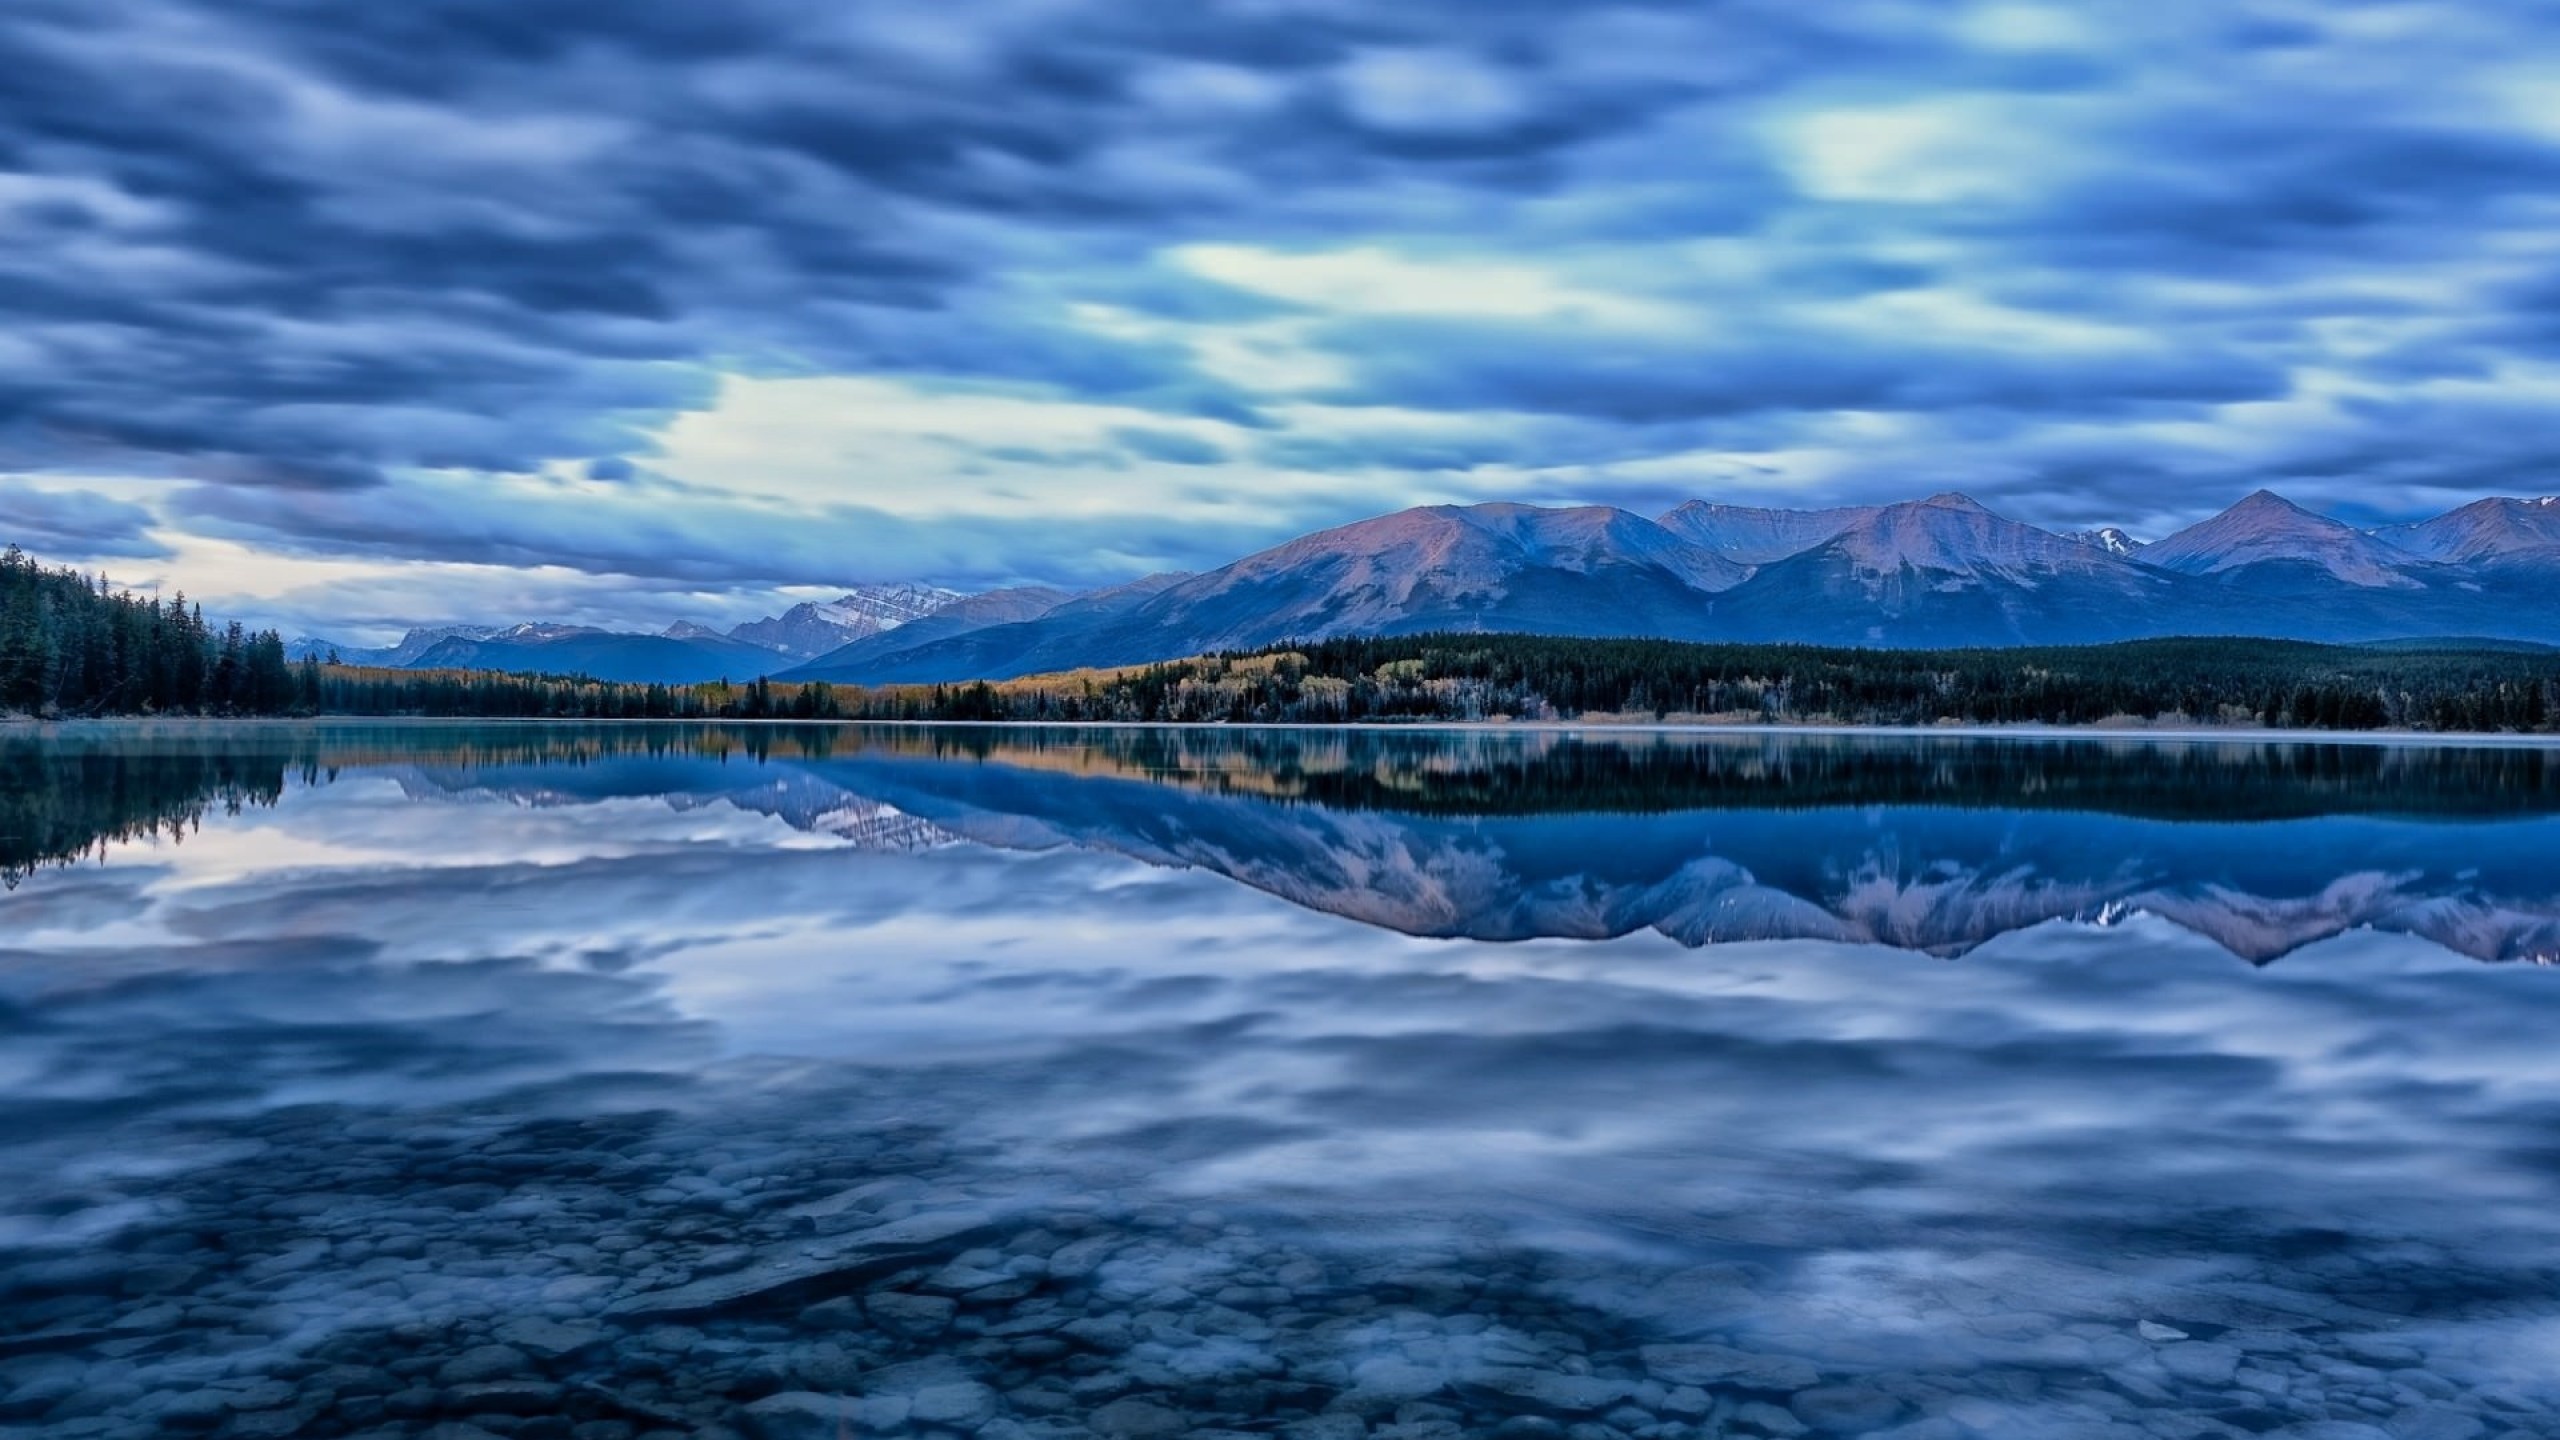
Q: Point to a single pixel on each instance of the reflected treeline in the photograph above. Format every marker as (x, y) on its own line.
(1922, 842)
(62, 799)
(1478, 773)
(67, 790)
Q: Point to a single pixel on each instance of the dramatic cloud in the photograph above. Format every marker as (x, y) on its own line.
(792, 293)
(76, 524)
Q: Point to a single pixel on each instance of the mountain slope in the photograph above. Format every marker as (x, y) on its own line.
(1946, 571)
(1751, 536)
(604, 655)
(2267, 530)
(2491, 531)
(977, 612)
(412, 645)
(2286, 571)
(1018, 648)
(1590, 570)
(812, 629)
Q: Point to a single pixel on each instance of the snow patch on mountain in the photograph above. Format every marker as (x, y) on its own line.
(816, 627)
(2108, 538)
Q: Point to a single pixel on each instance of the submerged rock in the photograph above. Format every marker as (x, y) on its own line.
(482, 1363)
(1847, 1409)
(1709, 1366)
(791, 1269)
(1137, 1420)
(804, 1415)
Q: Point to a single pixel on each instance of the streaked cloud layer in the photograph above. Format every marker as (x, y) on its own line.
(369, 314)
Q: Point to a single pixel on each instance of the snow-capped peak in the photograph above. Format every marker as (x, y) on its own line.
(543, 630)
(2107, 538)
(813, 628)
(888, 606)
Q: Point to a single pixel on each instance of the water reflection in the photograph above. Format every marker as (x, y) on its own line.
(1927, 845)
(945, 1082)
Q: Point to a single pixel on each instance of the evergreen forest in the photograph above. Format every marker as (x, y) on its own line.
(69, 646)
(2217, 682)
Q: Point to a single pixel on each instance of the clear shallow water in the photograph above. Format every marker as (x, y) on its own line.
(557, 1081)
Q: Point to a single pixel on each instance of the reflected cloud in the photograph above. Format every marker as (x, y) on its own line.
(519, 1022)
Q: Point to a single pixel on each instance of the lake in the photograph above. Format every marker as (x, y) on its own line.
(594, 1082)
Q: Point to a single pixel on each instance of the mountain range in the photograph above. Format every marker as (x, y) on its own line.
(1941, 571)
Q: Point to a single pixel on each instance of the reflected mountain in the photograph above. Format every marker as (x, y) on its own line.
(1930, 844)
(1927, 845)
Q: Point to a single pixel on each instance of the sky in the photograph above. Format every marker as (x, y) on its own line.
(345, 317)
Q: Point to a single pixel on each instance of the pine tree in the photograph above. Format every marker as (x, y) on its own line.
(22, 639)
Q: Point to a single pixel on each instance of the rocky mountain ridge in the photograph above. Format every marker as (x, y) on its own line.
(1943, 571)
(1940, 571)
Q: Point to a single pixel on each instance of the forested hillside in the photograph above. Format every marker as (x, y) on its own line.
(70, 647)
(2281, 684)
(2286, 684)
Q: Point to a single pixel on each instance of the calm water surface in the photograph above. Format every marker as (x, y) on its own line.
(556, 1082)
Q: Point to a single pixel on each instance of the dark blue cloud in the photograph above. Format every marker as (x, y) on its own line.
(287, 250)
(669, 535)
(1169, 446)
(73, 524)
(1650, 379)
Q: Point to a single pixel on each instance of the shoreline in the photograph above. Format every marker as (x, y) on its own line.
(2183, 735)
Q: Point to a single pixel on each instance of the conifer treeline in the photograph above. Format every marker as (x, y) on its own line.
(71, 647)
(2275, 683)
(2282, 684)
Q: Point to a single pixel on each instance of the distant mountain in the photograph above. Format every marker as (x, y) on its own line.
(317, 647)
(1940, 572)
(810, 630)
(2485, 531)
(683, 653)
(1591, 570)
(885, 607)
(961, 617)
(1946, 571)
(412, 645)
(952, 645)
(2269, 539)
(2480, 571)
(603, 655)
